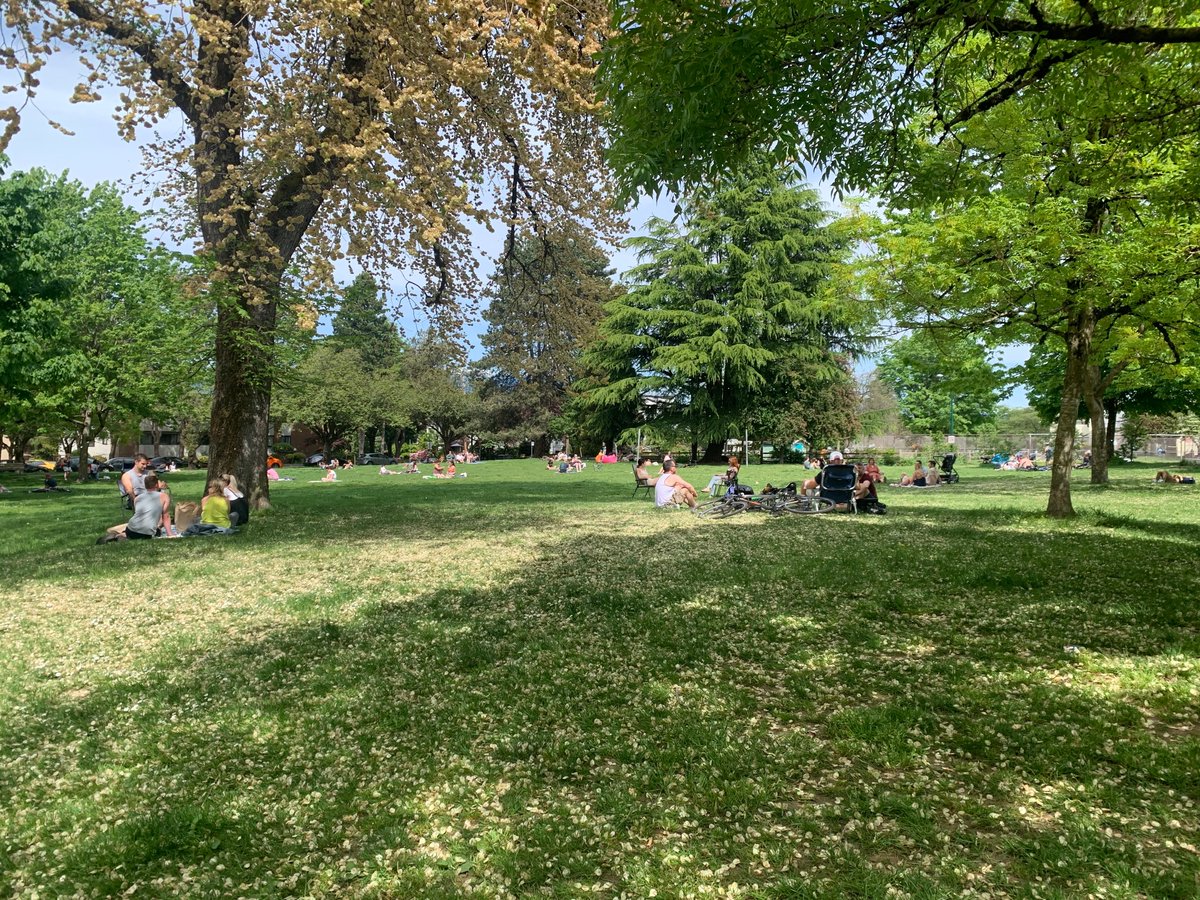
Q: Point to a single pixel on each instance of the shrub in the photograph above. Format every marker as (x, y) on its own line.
(889, 457)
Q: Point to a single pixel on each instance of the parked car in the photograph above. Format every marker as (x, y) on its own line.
(376, 459)
(73, 463)
(117, 464)
(274, 462)
(38, 465)
(317, 459)
(164, 463)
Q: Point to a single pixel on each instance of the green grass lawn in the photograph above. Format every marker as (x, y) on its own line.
(522, 684)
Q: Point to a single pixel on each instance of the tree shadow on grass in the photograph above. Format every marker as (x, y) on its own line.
(613, 708)
(348, 512)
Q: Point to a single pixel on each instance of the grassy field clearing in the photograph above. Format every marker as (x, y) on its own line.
(524, 684)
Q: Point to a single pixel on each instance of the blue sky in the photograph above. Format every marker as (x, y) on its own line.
(95, 153)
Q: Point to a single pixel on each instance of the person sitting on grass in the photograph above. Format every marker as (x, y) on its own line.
(451, 470)
(932, 477)
(214, 513)
(239, 508)
(873, 471)
(727, 477)
(330, 474)
(916, 479)
(48, 485)
(438, 469)
(671, 490)
(412, 468)
(866, 497)
(151, 513)
(576, 463)
(214, 508)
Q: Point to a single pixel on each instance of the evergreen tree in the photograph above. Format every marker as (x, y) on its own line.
(721, 308)
(547, 298)
(361, 324)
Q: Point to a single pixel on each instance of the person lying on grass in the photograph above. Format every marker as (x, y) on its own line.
(384, 470)
(1168, 478)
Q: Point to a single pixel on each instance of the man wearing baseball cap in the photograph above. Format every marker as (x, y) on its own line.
(811, 485)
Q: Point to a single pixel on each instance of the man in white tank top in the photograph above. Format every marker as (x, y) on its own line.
(671, 490)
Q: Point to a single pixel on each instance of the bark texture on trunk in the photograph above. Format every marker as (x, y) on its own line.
(1079, 347)
(713, 452)
(240, 428)
(1110, 436)
(1094, 397)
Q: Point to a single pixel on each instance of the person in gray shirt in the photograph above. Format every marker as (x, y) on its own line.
(151, 512)
(133, 480)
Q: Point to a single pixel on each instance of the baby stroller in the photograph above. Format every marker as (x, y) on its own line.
(946, 471)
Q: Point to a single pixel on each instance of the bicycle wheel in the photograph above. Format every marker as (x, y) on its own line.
(807, 506)
(720, 509)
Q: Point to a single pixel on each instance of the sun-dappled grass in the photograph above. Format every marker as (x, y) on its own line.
(526, 684)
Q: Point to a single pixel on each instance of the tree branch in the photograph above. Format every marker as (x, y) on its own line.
(1096, 32)
(162, 71)
(1016, 81)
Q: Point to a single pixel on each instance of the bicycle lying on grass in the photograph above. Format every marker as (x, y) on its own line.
(784, 501)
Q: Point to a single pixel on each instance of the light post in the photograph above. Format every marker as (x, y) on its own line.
(950, 439)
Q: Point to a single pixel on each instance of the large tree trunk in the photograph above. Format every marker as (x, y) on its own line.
(713, 452)
(1079, 348)
(242, 395)
(1093, 396)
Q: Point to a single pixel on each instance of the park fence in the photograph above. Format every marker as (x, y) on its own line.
(1167, 447)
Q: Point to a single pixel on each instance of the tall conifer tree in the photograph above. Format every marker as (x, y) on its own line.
(547, 299)
(721, 307)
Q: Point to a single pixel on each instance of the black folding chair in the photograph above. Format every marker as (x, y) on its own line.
(837, 483)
